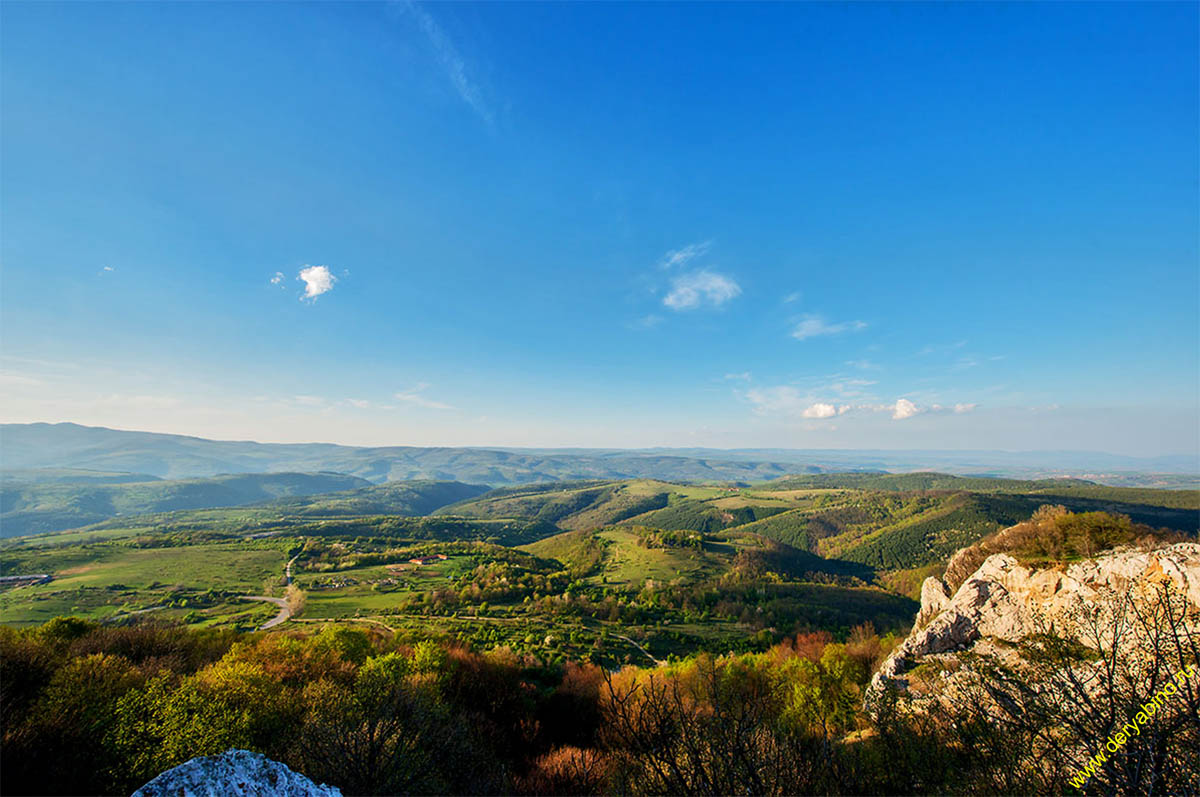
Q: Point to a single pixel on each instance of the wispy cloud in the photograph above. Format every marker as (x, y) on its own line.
(454, 64)
(278, 278)
(787, 400)
(106, 270)
(317, 280)
(794, 296)
(680, 257)
(690, 291)
(744, 376)
(935, 348)
(14, 379)
(863, 365)
(414, 396)
(814, 326)
(646, 322)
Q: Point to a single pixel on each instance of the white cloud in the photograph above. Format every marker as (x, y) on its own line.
(308, 401)
(814, 326)
(108, 268)
(317, 280)
(414, 396)
(744, 376)
(786, 400)
(679, 257)
(689, 291)
(278, 278)
(904, 409)
(959, 409)
(361, 404)
(452, 62)
(862, 365)
(819, 410)
(792, 297)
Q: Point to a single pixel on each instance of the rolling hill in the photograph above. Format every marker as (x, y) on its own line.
(886, 521)
(37, 507)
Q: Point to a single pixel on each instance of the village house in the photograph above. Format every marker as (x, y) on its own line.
(428, 560)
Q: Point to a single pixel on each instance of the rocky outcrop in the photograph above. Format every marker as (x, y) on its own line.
(234, 773)
(934, 598)
(1003, 602)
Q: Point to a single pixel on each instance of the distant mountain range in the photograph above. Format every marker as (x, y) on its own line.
(71, 446)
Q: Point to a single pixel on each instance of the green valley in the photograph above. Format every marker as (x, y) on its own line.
(637, 569)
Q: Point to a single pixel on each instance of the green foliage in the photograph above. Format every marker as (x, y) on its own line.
(33, 508)
(348, 643)
(934, 536)
(581, 552)
(789, 528)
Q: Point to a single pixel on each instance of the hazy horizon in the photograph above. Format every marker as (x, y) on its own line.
(1041, 457)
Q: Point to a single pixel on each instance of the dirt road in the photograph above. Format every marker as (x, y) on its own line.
(284, 611)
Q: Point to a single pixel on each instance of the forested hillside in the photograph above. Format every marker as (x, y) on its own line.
(40, 506)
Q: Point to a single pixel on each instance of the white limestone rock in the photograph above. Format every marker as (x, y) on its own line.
(1005, 602)
(234, 773)
(934, 598)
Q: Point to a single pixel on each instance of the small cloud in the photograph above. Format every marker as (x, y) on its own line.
(744, 376)
(317, 280)
(278, 278)
(960, 409)
(819, 410)
(814, 326)
(108, 268)
(862, 365)
(361, 404)
(680, 257)
(414, 396)
(309, 401)
(904, 409)
(792, 297)
(690, 291)
(786, 400)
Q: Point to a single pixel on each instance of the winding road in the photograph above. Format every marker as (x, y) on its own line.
(285, 611)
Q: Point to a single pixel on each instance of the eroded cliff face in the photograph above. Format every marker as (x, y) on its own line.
(1004, 604)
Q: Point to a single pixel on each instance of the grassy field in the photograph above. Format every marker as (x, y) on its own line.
(626, 562)
(104, 581)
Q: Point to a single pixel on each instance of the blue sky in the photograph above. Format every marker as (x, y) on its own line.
(810, 226)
